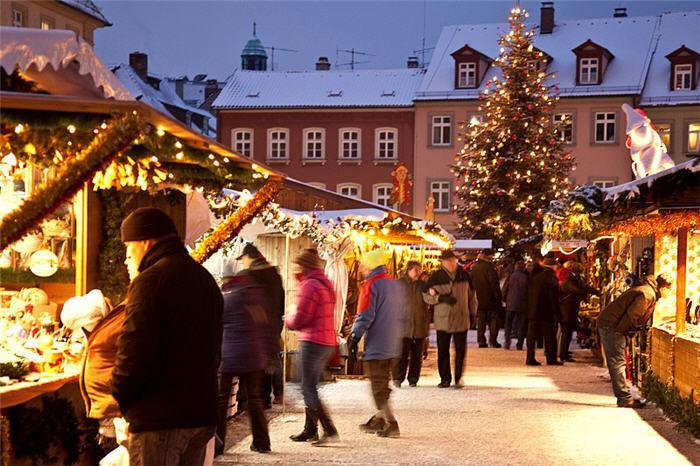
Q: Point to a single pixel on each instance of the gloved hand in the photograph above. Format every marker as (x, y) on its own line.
(447, 298)
(426, 344)
(352, 346)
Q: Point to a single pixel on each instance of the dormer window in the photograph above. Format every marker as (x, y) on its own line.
(467, 74)
(591, 62)
(684, 69)
(682, 77)
(470, 67)
(588, 71)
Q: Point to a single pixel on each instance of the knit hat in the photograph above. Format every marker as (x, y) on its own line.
(249, 250)
(375, 258)
(147, 223)
(309, 259)
(447, 254)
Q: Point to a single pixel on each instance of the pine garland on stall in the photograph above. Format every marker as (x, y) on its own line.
(513, 163)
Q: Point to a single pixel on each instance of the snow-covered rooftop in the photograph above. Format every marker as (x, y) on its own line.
(631, 40)
(158, 98)
(359, 88)
(87, 7)
(632, 189)
(676, 31)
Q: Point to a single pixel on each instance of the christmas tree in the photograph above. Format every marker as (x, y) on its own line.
(513, 162)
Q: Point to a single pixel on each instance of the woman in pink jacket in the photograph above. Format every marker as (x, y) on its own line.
(314, 321)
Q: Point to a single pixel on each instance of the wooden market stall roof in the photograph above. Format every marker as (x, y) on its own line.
(58, 103)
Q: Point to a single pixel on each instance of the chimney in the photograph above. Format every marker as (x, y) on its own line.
(180, 87)
(139, 62)
(547, 18)
(620, 13)
(211, 87)
(412, 62)
(323, 64)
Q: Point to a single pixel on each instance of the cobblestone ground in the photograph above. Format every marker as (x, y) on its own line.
(507, 413)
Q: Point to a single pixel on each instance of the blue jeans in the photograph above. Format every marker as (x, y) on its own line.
(614, 344)
(314, 358)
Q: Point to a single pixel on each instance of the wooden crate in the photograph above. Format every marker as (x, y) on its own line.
(662, 356)
(686, 368)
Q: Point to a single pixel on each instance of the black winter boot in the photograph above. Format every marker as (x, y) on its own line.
(330, 433)
(310, 432)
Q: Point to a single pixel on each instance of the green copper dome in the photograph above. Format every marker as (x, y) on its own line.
(254, 48)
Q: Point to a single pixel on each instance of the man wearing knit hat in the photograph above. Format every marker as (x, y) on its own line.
(165, 375)
(380, 318)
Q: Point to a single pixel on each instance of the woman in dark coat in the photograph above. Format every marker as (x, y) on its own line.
(244, 354)
(573, 291)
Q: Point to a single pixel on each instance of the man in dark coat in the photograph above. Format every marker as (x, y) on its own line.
(573, 290)
(244, 354)
(543, 307)
(624, 316)
(516, 305)
(165, 374)
(488, 293)
(414, 339)
(270, 280)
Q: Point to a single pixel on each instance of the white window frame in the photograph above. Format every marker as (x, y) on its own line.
(589, 71)
(606, 121)
(685, 73)
(385, 145)
(467, 74)
(341, 186)
(319, 143)
(235, 141)
(558, 117)
(342, 142)
(665, 129)
(383, 199)
(696, 132)
(442, 124)
(603, 183)
(17, 18)
(272, 141)
(438, 192)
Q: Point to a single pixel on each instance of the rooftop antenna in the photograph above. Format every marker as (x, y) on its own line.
(423, 48)
(272, 54)
(352, 61)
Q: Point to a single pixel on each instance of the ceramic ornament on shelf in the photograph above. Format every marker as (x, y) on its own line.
(43, 263)
(647, 151)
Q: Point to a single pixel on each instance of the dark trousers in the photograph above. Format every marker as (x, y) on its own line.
(411, 360)
(251, 382)
(487, 317)
(272, 384)
(379, 372)
(542, 329)
(314, 358)
(443, 344)
(566, 329)
(172, 447)
(516, 327)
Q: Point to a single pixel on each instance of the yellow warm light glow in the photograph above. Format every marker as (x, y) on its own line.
(665, 254)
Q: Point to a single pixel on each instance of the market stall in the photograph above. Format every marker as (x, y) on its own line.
(71, 167)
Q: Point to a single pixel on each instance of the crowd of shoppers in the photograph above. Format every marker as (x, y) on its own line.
(177, 322)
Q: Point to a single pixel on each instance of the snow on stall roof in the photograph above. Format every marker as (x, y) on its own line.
(676, 31)
(303, 89)
(59, 62)
(630, 40)
(87, 7)
(631, 189)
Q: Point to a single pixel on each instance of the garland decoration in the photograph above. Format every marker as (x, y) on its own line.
(233, 224)
(113, 275)
(667, 397)
(668, 222)
(575, 217)
(117, 135)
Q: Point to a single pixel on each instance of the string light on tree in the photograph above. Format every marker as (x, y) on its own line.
(515, 146)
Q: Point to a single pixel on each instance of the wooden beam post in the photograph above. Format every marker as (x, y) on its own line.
(681, 279)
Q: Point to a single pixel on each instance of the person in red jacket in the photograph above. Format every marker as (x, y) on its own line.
(317, 336)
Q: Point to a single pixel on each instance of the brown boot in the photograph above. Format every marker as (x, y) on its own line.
(330, 433)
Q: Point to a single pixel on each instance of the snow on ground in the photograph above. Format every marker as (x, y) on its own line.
(507, 413)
